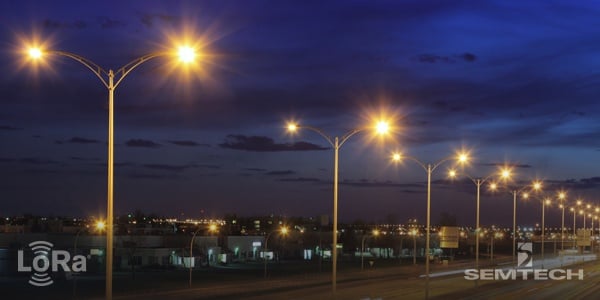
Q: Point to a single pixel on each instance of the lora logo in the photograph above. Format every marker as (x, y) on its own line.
(48, 260)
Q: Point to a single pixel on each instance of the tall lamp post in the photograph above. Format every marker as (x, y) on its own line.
(283, 231)
(536, 185)
(562, 197)
(545, 202)
(362, 248)
(111, 80)
(414, 235)
(211, 228)
(381, 128)
(429, 168)
(505, 174)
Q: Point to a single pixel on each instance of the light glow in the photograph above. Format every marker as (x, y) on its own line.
(382, 127)
(186, 54)
(292, 127)
(34, 53)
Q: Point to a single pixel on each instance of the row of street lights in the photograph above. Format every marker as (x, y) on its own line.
(188, 55)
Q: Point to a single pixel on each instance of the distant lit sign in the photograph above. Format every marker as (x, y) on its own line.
(256, 244)
(448, 237)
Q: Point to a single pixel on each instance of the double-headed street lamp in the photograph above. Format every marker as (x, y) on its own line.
(505, 174)
(111, 80)
(535, 186)
(381, 128)
(429, 168)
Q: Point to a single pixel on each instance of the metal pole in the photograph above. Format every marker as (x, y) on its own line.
(543, 230)
(478, 183)
(335, 215)
(562, 231)
(429, 170)
(514, 248)
(414, 249)
(362, 256)
(109, 207)
(574, 232)
(265, 253)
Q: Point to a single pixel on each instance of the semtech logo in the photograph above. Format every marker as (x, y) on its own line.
(524, 269)
(525, 256)
(47, 260)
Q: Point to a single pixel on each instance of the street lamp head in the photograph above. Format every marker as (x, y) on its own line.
(452, 173)
(578, 202)
(562, 195)
(375, 232)
(572, 209)
(100, 225)
(292, 127)
(35, 53)
(547, 201)
(284, 230)
(537, 185)
(588, 206)
(493, 186)
(505, 173)
(463, 157)
(525, 195)
(397, 157)
(212, 227)
(186, 54)
(382, 127)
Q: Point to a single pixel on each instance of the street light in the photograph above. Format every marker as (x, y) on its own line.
(414, 235)
(381, 127)
(574, 211)
(211, 228)
(544, 203)
(535, 186)
(505, 174)
(461, 158)
(99, 226)
(561, 197)
(111, 79)
(362, 248)
(283, 231)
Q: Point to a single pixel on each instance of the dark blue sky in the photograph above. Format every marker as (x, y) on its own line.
(512, 81)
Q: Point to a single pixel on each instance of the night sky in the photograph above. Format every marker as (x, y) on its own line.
(512, 81)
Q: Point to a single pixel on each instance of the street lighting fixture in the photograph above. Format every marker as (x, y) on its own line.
(504, 173)
(111, 80)
(283, 231)
(375, 232)
(461, 158)
(211, 228)
(381, 127)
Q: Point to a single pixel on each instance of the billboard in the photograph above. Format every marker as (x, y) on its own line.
(583, 237)
(448, 237)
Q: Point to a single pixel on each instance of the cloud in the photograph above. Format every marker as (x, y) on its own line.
(149, 19)
(7, 127)
(286, 172)
(142, 143)
(188, 143)
(37, 161)
(152, 176)
(371, 183)
(433, 58)
(79, 140)
(84, 158)
(265, 144)
(254, 169)
(107, 23)
(55, 24)
(300, 179)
